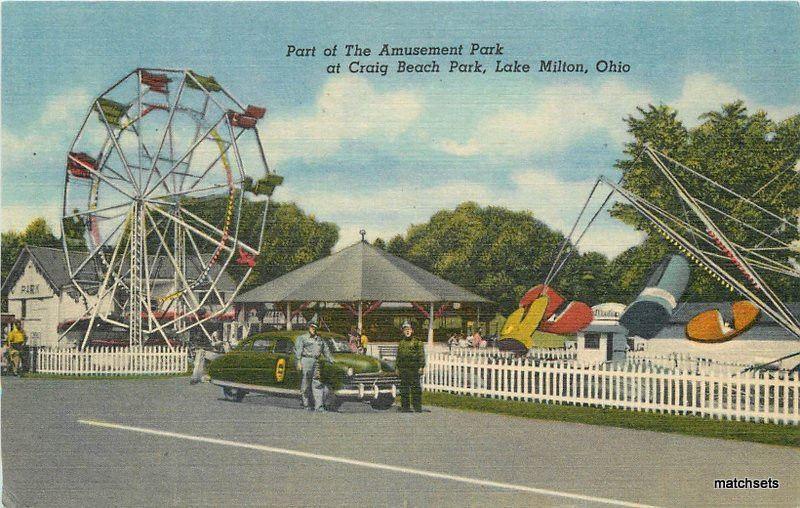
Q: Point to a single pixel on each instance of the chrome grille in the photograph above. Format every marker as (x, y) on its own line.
(373, 378)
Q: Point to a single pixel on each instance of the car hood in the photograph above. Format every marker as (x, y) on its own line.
(361, 364)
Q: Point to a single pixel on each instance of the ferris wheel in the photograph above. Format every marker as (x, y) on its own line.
(162, 222)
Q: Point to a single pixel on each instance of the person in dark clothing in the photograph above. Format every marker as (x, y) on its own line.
(410, 366)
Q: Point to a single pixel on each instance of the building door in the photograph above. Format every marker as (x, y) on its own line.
(609, 346)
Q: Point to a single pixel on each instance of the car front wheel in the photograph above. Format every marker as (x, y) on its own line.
(383, 402)
(233, 394)
(333, 403)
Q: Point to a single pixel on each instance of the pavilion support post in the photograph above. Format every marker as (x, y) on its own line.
(430, 326)
(289, 316)
(360, 319)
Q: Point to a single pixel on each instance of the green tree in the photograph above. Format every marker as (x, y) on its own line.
(743, 151)
(292, 239)
(37, 232)
(497, 253)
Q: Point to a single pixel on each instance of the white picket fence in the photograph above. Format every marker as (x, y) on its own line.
(634, 385)
(688, 362)
(112, 361)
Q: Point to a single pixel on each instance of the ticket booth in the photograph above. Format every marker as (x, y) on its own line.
(604, 340)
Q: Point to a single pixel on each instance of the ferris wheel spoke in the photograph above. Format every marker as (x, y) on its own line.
(97, 250)
(147, 154)
(223, 153)
(167, 131)
(101, 293)
(206, 268)
(107, 180)
(217, 242)
(98, 210)
(221, 270)
(117, 175)
(197, 191)
(119, 150)
(246, 247)
(171, 257)
(185, 155)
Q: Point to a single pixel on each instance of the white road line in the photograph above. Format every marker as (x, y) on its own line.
(370, 465)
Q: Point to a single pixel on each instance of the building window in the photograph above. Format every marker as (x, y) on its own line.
(24, 309)
(591, 341)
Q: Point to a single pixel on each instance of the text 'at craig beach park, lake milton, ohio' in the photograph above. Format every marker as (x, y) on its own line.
(389, 59)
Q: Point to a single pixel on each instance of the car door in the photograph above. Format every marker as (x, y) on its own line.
(286, 373)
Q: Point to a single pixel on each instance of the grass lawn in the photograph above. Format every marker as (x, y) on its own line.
(783, 435)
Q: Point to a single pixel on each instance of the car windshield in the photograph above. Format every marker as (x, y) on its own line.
(284, 346)
(261, 345)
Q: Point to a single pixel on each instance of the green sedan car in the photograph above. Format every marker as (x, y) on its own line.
(265, 364)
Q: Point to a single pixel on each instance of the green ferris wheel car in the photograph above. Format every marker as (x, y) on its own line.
(265, 364)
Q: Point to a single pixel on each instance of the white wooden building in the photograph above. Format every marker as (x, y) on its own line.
(604, 340)
(41, 295)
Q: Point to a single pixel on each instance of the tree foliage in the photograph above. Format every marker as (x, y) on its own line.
(740, 150)
(291, 237)
(37, 232)
(497, 253)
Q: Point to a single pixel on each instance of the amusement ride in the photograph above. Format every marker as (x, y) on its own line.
(159, 180)
(738, 243)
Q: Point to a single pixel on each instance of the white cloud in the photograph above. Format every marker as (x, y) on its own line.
(558, 202)
(559, 116)
(347, 108)
(705, 92)
(16, 217)
(468, 149)
(387, 212)
(48, 134)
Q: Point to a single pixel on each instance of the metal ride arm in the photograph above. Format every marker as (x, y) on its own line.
(743, 264)
(786, 321)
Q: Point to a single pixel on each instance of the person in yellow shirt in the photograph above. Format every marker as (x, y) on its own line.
(16, 340)
(364, 342)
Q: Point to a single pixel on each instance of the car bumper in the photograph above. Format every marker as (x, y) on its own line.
(359, 391)
(363, 391)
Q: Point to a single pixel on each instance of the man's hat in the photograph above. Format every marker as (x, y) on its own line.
(313, 322)
(406, 324)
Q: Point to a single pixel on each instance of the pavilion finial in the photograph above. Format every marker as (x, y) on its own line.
(363, 233)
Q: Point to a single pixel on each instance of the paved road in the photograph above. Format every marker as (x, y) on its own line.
(185, 446)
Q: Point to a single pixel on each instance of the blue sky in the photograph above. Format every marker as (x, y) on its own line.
(383, 152)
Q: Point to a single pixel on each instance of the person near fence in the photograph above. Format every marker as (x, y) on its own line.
(202, 357)
(364, 343)
(452, 342)
(308, 349)
(410, 366)
(16, 342)
(353, 340)
(476, 338)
